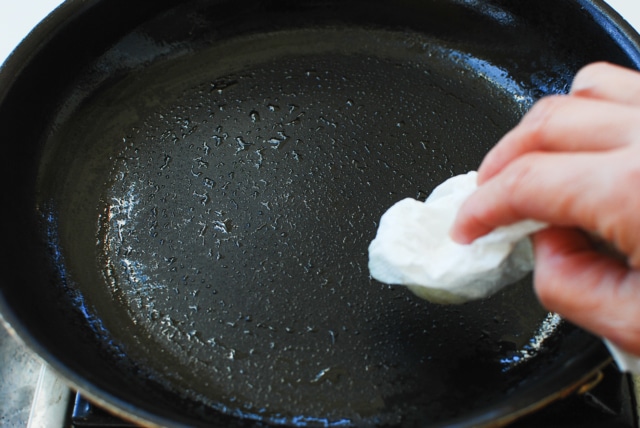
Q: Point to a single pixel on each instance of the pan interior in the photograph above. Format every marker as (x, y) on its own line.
(232, 193)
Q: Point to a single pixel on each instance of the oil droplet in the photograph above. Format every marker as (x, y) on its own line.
(296, 121)
(242, 144)
(167, 160)
(221, 84)
(274, 142)
(330, 374)
(223, 226)
(203, 197)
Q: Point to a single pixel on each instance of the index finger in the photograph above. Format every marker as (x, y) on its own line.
(564, 123)
(536, 186)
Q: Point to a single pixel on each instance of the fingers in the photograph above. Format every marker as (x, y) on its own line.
(537, 186)
(592, 290)
(564, 124)
(608, 82)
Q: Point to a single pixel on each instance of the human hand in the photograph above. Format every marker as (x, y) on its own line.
(574, 163)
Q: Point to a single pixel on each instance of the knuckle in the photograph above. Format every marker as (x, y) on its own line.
(518, 182)
(531, 193)
(535, 123)
(622, 225)
(519, 175)
(545, 292)
(590, 78)
(547, 289)
(631, 174)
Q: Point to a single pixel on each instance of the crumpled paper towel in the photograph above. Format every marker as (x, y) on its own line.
(625, 361)
(412, 247)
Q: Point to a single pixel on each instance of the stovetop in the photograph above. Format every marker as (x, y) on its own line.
(32, 396)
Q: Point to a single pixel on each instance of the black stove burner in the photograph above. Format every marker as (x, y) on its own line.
(86, 414)
(611, 404)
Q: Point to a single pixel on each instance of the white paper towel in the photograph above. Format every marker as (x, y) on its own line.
(626, 362)
(412, 247)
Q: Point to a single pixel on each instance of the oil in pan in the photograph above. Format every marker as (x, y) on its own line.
(239, 204)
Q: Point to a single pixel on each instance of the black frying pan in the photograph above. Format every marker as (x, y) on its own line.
(191, 187)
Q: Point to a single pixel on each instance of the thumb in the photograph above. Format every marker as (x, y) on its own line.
(591, 289)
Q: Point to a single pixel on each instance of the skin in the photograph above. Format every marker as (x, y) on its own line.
(574, 162)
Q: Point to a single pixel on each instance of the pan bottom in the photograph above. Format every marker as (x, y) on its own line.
(245, 183)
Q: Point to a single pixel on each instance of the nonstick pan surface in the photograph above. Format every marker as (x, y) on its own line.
(192, 187)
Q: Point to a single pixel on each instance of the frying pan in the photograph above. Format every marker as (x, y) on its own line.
(190, 189)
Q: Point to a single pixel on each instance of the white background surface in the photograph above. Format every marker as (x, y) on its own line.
(628, 9)
(18, 17)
